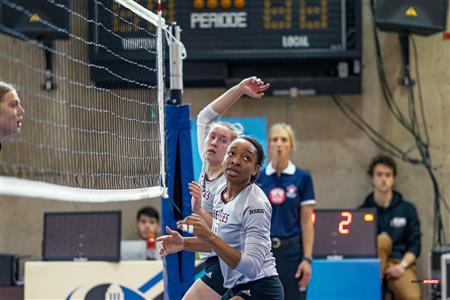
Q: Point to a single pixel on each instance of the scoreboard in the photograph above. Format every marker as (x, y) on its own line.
(230, 39)
(345, 233)
(261, 29)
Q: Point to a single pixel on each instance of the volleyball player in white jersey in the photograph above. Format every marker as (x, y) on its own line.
(241, 229)
(213, 139)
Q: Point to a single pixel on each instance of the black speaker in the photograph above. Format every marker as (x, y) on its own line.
(37, 19)
(422, 17)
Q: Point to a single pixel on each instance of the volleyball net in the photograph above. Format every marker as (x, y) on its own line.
(93, 97)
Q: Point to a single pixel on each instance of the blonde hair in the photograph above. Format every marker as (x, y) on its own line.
(287, 128)
(5, 89)
(236, 129)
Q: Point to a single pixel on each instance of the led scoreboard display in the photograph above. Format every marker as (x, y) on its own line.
(287, 42)
(345, 233)
(261, 29)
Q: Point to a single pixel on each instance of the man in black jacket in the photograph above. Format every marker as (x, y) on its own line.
(398, 230)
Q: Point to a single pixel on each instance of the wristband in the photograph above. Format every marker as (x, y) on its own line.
(404, 264)
(308, 259)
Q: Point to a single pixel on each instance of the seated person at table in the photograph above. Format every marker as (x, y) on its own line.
(148, 228)
(398, 230)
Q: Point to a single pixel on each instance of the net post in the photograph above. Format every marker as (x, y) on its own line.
(176, 66)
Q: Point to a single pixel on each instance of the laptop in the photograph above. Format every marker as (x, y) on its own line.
(133, 250)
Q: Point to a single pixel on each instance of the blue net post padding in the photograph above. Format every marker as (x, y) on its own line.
(179, 270)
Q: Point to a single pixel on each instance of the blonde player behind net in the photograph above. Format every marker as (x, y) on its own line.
(213, 138)
(240, 234)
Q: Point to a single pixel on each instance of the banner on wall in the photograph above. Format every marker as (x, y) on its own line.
(255, 127)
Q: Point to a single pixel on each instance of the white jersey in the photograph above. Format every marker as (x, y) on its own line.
(209, 189)
(244, 224)
(204, 120)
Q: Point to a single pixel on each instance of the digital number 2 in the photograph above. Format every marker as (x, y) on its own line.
(347, 221)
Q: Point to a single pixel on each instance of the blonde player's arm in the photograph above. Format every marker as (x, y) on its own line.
(196, 203)
(252, 87)
(204, 119)
(206, 217)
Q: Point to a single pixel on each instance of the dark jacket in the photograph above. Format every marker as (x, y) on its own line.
(400, 221)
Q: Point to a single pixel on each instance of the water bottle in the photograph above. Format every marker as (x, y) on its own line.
(151, 246)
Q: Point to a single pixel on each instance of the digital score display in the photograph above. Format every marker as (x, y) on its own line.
(230, 39)
(237, 29)
(345, 233)
(218, 29)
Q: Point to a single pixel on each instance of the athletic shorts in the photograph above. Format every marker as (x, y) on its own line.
(213, 275)
(269, 288)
